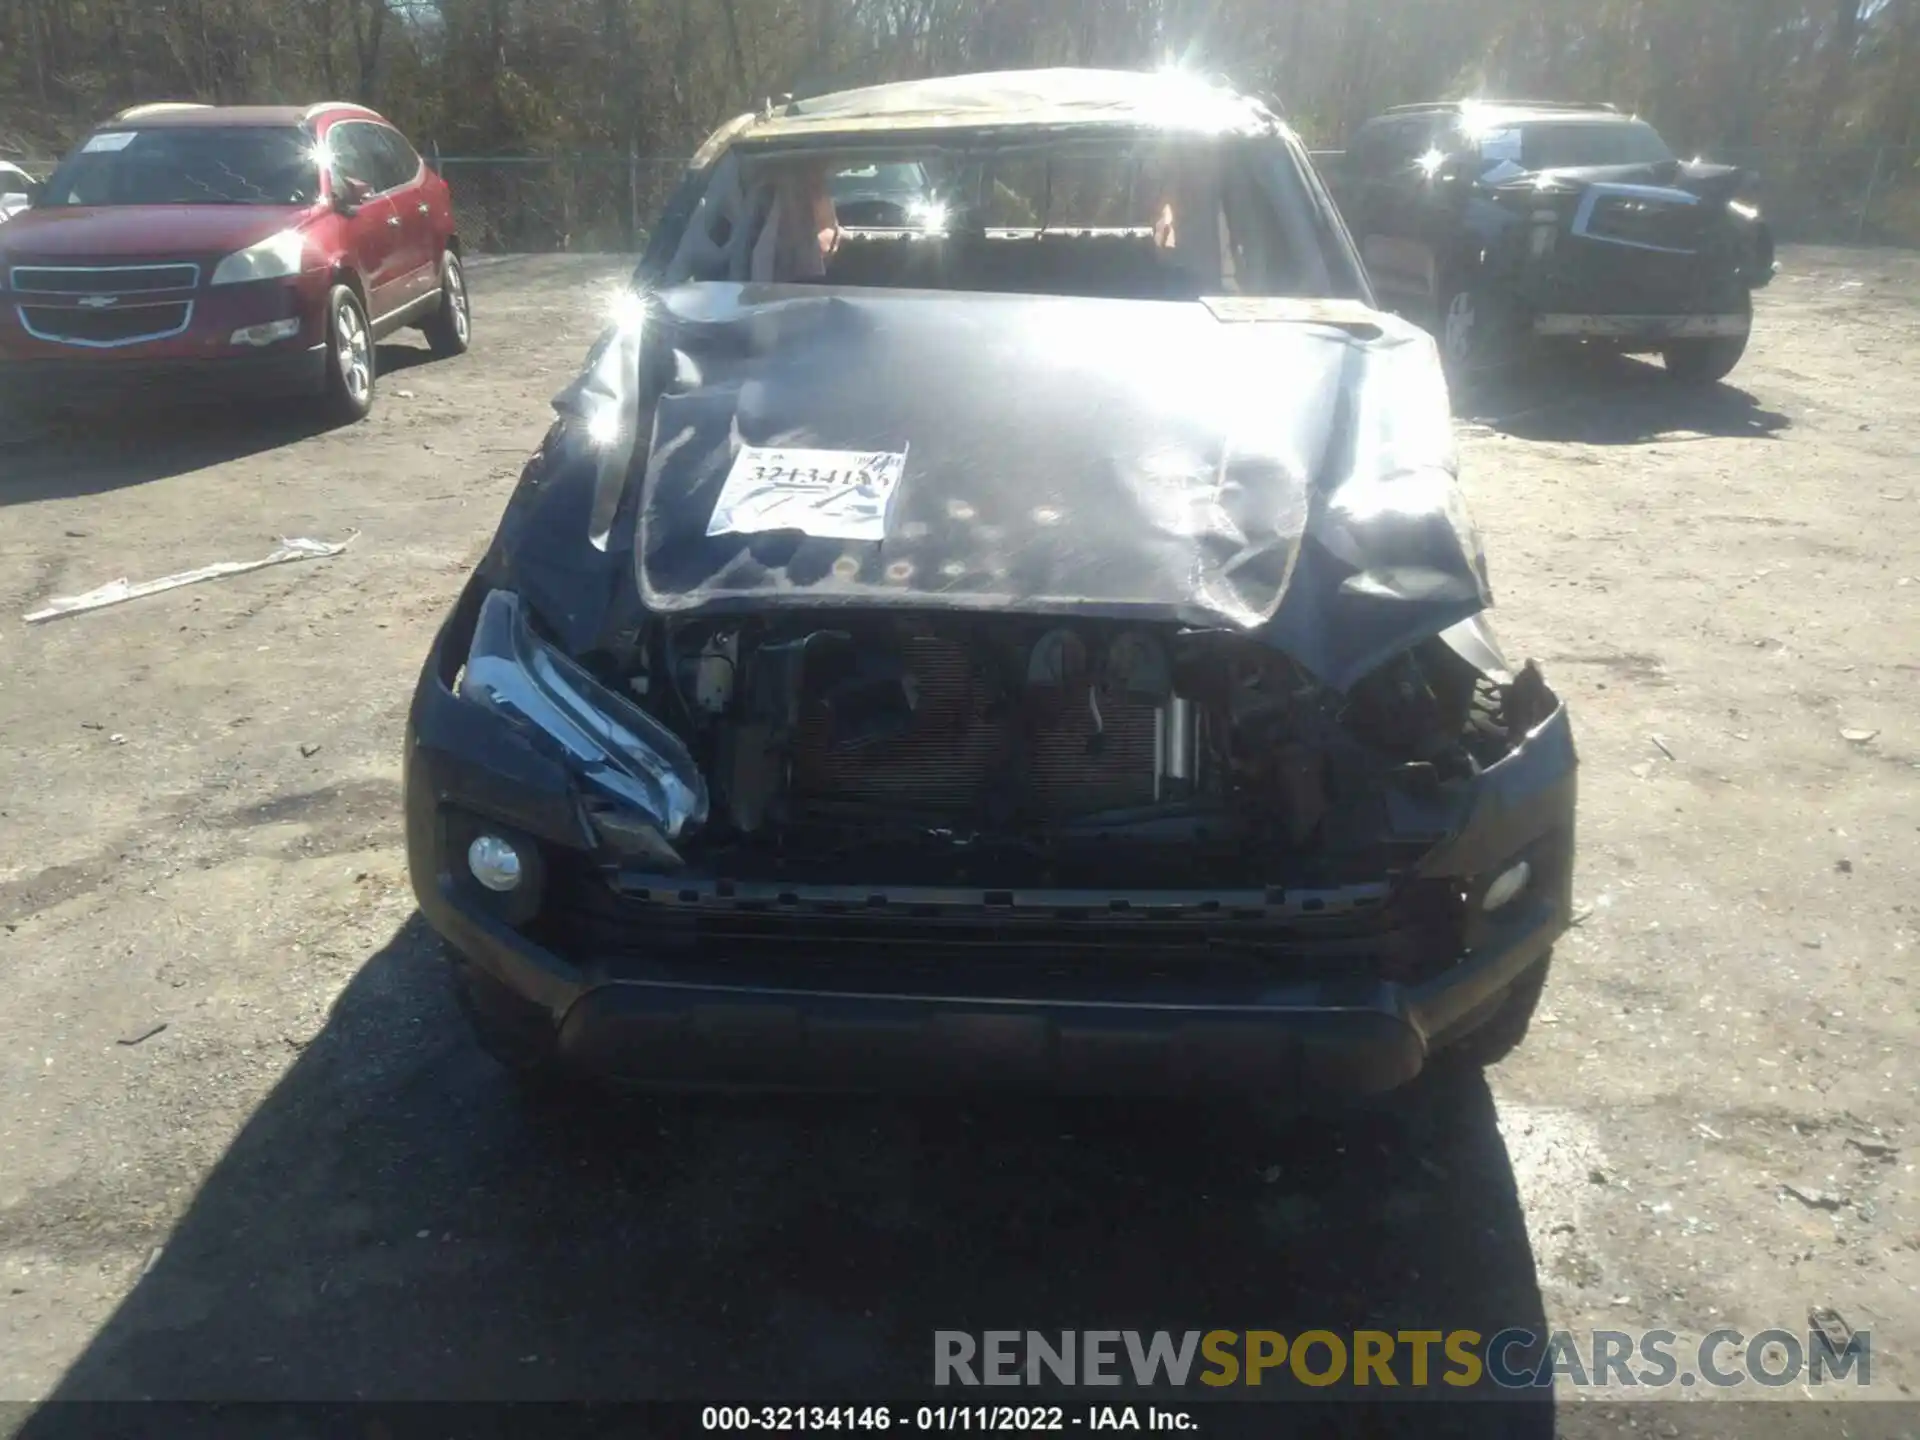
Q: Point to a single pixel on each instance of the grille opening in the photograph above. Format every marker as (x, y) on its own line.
(121, 325)
(1645, 222)
(1414, 933)
(103, 280)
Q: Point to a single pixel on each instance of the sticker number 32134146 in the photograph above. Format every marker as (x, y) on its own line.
(831, 494)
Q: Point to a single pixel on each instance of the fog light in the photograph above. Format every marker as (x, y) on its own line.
(266, 334)
(1502, 892)
(495, 863)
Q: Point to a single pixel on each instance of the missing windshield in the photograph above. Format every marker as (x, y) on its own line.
(1121, 217)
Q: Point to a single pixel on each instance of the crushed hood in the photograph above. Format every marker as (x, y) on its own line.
(1282, 468)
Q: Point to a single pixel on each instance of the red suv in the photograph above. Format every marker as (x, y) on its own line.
(232, 252)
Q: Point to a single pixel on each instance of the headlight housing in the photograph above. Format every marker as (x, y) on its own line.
(273, 258)
(614, 745)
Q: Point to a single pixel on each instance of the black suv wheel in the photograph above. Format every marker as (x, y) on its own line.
(1707, 362)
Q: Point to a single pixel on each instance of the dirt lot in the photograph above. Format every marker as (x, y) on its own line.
(308, 1184)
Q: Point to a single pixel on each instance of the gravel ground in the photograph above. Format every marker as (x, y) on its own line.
(308, 1184)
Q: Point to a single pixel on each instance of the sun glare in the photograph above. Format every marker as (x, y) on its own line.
(627, 309)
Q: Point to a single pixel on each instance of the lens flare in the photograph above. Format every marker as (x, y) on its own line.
(930, 215)
(627, 310)
(603, 427)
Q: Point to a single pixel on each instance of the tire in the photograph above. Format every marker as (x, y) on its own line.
(1708, 362)
(449, 330)
(1502, 1032)
(350, 358)
(1463, 330)
(517, 1036)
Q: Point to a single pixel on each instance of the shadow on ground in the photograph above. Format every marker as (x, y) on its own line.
(92, 452)
(1612, 400)
(392, 1223)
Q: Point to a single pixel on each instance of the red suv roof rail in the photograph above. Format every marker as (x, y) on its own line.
(161, 107)
(323, 106)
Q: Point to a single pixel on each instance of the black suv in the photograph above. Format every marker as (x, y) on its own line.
(1494, 222)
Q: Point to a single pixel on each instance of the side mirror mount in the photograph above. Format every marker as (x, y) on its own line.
(350, 194)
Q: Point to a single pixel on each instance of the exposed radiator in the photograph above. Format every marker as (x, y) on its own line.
(955, 749)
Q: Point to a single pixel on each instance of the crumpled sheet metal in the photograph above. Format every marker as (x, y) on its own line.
(1291, 478)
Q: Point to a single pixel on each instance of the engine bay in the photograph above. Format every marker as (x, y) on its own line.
(1087, 744)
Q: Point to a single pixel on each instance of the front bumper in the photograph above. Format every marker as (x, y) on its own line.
(850, 1027)
(1593, 288)
(643, 1009)
(278, 373)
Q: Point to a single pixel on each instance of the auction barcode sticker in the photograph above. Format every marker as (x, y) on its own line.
(831, 494)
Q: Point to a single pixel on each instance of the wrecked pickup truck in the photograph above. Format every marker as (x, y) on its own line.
(1497, 223)
(1041, 645)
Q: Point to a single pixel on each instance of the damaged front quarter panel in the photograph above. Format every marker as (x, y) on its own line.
(1477, 827)
(560, 544)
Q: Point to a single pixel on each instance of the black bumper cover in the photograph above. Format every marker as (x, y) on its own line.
(1586, 277)
(825, 1021)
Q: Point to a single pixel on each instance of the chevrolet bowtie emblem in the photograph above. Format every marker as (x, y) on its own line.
(98, 302)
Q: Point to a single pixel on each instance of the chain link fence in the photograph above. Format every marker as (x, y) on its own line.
(593, 203)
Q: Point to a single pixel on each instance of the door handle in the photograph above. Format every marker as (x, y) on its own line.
(393, 220)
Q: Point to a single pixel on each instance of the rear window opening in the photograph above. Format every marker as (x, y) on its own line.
(1121, 217)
